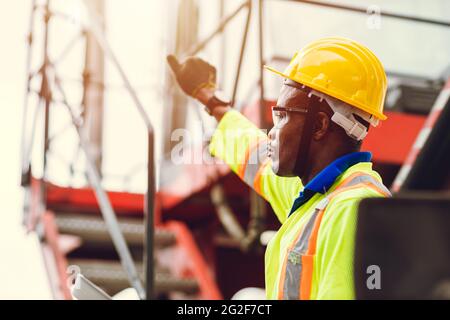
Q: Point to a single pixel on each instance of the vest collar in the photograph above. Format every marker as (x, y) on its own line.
(323, 181)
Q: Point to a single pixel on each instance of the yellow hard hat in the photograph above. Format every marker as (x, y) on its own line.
(341, 68)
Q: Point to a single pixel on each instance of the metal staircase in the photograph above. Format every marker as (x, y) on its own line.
(78, 241)
(96, 259)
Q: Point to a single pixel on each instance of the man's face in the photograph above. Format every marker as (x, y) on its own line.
(285, 136)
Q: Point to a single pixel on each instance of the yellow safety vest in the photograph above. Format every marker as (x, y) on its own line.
(311, 256)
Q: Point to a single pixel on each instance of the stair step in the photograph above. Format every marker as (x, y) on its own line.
(110, 276)
(93, 229)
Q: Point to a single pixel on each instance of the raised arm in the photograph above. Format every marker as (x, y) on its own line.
(236, 141)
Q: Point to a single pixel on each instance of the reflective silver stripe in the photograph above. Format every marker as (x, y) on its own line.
(366, 179)
(255, 160)
(293, 272)
(292, 280)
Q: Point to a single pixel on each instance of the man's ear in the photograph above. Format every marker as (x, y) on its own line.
(321, 126)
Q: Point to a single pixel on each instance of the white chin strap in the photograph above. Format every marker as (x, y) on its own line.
(344, 117)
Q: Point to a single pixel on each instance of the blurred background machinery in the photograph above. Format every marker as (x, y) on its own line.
(181, 231)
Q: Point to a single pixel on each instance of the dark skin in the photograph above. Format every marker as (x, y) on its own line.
(328, 141)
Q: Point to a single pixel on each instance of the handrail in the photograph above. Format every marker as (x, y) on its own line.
(93, 174)
(105, 205)
(242, 51)
(25, 170)
(94, 27)
(219, 29)
(249, 239)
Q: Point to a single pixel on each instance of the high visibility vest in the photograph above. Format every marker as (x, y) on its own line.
(311, 255)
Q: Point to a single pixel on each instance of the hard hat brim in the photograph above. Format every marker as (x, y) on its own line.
(380, 116)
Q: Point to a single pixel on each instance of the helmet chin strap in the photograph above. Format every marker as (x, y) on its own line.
(307, 133)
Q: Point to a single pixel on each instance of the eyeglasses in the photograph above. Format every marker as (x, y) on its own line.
(280, 113)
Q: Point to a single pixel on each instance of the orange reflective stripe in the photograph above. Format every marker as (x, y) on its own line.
(349, 178)
(242, 166)
(306, 278)
(257, 182)
(371, 186)
(367, 184)
(308, 258)
(359, 185)
(308, 261)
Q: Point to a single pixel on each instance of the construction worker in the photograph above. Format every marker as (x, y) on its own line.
(309, 167)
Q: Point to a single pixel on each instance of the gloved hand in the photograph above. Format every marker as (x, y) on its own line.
(193, 74)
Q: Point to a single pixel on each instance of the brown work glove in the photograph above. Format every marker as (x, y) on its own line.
(193, 74)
